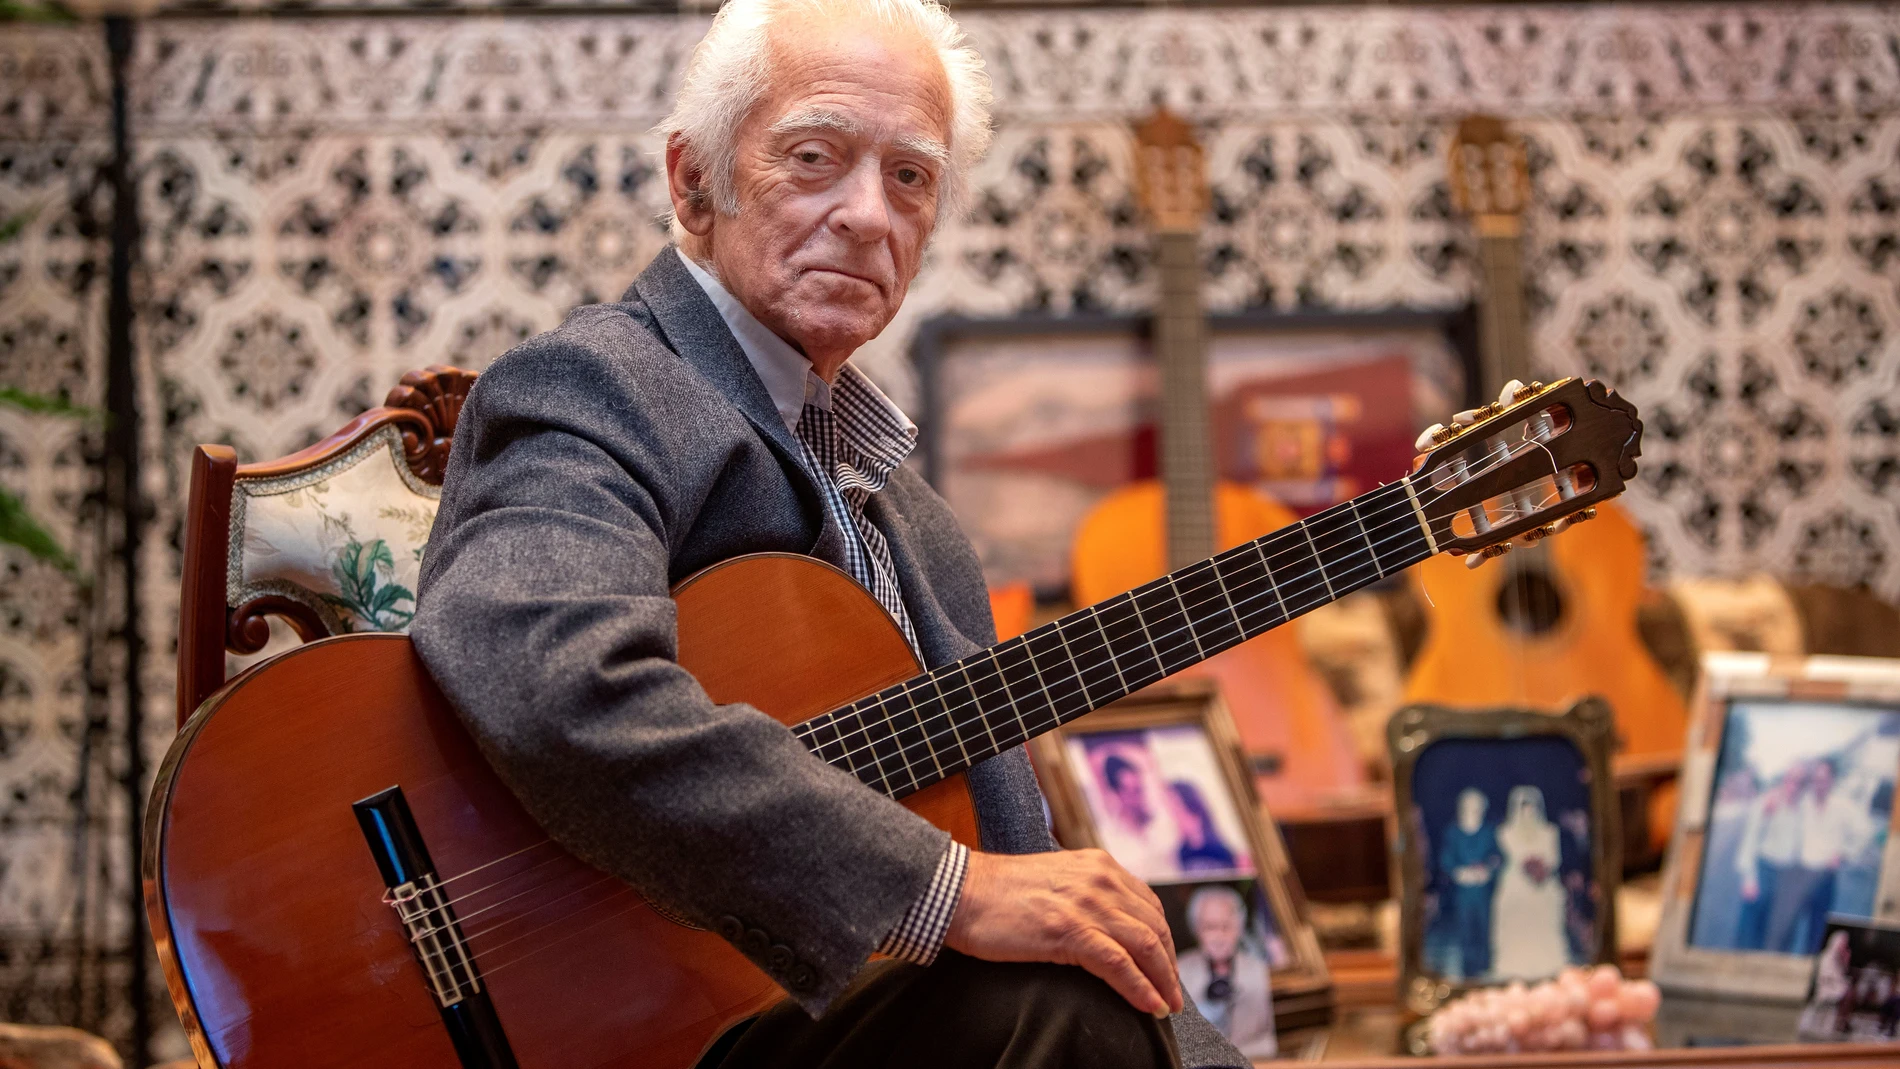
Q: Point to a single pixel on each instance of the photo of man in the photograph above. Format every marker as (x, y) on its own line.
(1470, 858)
(1797, 823)
(1224, 964)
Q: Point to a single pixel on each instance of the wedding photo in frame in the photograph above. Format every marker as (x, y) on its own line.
(1157, 780)
(1786, 819)
(1509, 840)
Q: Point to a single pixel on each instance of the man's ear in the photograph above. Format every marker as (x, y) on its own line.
(686, 184)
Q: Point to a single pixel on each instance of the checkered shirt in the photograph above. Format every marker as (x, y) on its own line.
(853, 439)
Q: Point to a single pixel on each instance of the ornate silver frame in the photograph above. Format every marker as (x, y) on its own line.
(1588, 725)
(1754, 974)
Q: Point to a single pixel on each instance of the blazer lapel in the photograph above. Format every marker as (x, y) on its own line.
(696, 331)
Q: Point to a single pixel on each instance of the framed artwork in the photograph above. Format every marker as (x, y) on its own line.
(1509, 842)
(1787, 818)
(1855, 995)
(1027, 422)
(1158, 781)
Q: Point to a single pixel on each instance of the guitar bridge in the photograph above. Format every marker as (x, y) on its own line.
(416, 893)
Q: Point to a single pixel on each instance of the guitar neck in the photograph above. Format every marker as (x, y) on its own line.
(1186, 445)
(1502, 339)
(917, 733)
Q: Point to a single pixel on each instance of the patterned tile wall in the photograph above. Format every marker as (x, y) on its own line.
(328, 201)
(64, 867)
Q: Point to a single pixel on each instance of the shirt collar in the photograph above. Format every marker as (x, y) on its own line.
(791, 382)
(783, 369)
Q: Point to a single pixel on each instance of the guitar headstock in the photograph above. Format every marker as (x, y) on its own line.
(1170, 172)
(1489, 177)
(1523, 467)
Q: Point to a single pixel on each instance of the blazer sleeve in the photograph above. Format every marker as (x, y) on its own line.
(544, 615)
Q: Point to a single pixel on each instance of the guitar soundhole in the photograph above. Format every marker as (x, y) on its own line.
(1530, 603)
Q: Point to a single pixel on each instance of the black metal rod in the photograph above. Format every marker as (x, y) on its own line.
(123, 497)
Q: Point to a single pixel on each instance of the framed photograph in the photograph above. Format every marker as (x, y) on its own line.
(1786, 819)
(1855, 995)
(1028, 421)
(1157, 780)
(1509, 843)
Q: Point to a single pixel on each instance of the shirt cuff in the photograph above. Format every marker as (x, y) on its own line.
(919, 934)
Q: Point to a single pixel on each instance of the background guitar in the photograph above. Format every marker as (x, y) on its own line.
(1544, 625)
(1289, 724)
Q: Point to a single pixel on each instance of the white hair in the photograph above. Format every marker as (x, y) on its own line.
(729, 72)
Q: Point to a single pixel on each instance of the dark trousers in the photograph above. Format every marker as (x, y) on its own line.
(961, 1013)
(1751, 927)
(1472, 908)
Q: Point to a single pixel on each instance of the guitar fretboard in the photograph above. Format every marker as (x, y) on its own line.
(916, 733)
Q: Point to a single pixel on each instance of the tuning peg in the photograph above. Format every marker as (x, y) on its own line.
(1538, 534)
(1499, 549)
(1587, 514)
(1510, 391)
(1525, 392)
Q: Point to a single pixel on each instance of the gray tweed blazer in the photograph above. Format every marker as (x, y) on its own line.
(594, 467)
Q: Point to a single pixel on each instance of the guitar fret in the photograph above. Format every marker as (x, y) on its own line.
(1053, 670)
(1321, 568)
(1185, 615)
(1081, 673)
(1096, 616)
(1266, 569)
(1370, 548)
(1008, 693)
(1014, 665)
(949, 720)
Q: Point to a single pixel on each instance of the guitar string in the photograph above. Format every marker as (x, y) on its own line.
(1404, 524)
(1080, 678)
(624, 887)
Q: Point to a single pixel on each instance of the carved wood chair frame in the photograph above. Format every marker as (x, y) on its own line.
(422, 408)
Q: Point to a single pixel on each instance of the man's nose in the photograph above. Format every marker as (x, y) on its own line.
(862, 212)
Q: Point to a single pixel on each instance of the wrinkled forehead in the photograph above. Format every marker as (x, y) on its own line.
(858, 78)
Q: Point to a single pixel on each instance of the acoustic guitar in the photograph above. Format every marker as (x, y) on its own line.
(1551, 622)
(1289, 724)
(335, 876)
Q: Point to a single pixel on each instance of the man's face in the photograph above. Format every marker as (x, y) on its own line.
(1470, 810)
(1125, 781)
(838, 174)
(1217, 928)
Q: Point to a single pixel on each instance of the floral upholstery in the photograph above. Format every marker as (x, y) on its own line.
(344, 539)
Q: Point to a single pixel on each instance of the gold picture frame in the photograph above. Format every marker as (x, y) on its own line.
(1706, 956)
(1302, 987)
(1410, 735)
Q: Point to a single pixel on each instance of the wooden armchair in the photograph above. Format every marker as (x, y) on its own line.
(329, 538)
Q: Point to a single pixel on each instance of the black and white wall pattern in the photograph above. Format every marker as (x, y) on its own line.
(330, 199)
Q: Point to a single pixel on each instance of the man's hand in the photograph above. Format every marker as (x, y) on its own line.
(1072, 907)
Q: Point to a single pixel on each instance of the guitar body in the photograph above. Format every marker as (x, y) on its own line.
(1482, 650)
(267, 905)
(1286, 715)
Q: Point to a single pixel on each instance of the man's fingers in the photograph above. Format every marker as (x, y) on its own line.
(1107, 959)
(1152, 951)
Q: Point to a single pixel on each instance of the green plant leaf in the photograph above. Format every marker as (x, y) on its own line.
(18, 528)
(45, 11)
(41, 404)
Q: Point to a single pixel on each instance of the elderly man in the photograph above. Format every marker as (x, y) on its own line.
(711, 413)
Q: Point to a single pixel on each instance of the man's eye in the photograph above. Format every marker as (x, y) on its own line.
(910, 176)
(809, 156)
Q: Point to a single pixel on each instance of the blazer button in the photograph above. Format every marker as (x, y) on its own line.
(756, 944)
(803, 979)
(780, 960)
(730, 929)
